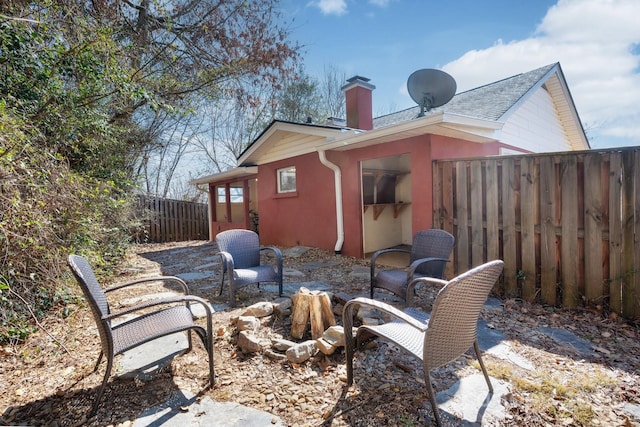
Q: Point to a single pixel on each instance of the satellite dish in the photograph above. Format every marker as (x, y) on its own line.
(430, 88)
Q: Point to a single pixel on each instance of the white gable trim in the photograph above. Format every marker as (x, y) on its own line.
(274, 144)
(235, 173)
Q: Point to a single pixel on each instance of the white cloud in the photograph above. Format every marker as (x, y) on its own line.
(332, 7)
(594, 41)
(339, 7)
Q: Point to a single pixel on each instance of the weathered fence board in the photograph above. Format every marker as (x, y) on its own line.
(528, 208)
(492, 215)
(508, 192)
(615, 232)
(462, 215)
(593, 284)
(569, 235)
(567, 225)
(167, 220)
(477, 240)
(548, 240)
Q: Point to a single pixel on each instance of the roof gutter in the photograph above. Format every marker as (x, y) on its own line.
(337, 179)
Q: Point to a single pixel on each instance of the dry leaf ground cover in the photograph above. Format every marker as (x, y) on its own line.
(49, 381)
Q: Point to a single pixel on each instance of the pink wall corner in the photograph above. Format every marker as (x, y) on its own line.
(306, 217)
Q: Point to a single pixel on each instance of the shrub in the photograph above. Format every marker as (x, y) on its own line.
(46, 212)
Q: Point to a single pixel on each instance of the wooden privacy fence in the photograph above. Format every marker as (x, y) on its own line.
(167, 220)
(567, 225)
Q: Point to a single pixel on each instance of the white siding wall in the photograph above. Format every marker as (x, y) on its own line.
(383, 232)
(536, 126)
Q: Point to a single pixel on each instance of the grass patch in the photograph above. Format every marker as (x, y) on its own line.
(563, 397)
(559, 395)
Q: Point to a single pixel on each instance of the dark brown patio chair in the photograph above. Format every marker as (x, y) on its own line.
(436, 338)
(429, 254)
(240, 252)
(153, 319)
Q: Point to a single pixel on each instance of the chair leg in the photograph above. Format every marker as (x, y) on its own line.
(95, 368)
(211, 370)
(476, 347)
(107, 374)
(347, 321)
(189, 341)
(207, 342)
(232, 294)
(221, 285)
(432, 397)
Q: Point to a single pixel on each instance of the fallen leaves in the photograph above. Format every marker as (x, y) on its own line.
(315, 392)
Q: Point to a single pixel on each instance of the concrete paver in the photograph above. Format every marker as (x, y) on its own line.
(184, 409)
(469, 402)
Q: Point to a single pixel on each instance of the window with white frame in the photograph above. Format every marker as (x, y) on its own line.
(287, 180)
(235, 194)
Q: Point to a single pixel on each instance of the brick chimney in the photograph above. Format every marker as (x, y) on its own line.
(357, 92)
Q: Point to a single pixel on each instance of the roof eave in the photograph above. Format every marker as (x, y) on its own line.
(235, 173)
(578, 128)
(446, 124)
(279, 125)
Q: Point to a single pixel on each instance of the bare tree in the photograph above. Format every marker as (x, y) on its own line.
(331, 92)
(173, 141)
(232, 122)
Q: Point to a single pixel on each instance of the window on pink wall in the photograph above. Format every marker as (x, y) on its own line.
(235, 193)
(287, 179)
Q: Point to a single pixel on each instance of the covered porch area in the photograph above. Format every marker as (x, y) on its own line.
(233, 199)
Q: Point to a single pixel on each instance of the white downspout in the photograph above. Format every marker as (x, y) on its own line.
(337, 178)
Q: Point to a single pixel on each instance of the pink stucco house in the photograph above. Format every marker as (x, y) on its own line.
(365, 184)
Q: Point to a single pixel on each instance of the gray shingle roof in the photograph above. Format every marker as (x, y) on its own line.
(488, 102)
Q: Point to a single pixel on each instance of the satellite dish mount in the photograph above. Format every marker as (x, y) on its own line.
(430, 88)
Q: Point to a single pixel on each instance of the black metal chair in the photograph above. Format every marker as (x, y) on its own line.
(240, 252)
(429, 254)
(154, 319)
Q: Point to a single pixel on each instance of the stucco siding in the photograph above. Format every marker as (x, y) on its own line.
(306, 217)
(535, 126)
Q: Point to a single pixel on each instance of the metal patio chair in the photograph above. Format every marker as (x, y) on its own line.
(429, 254)
(240, 252)
(153, 319)
(436, 338)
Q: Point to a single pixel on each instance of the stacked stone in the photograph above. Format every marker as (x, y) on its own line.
(248, 323)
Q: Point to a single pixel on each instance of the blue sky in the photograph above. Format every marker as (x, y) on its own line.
(597, 43)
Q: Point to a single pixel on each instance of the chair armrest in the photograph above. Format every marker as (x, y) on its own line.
(418, 262)
(376, 254)
(227, 261)
(412, 284)
(351, 305)
(175, 279)
(277, 253)
(159, 302)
